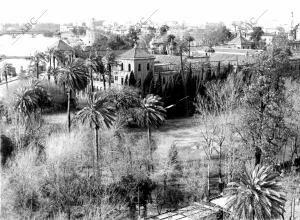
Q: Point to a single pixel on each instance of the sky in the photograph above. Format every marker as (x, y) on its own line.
(194, 12)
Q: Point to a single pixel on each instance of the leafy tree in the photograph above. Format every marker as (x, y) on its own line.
(101, 42)
(171, 37)
(264, 127)
(281, 42)
(256, 35)
(152, 87)
(6, 148)
(133, 35)
(98, 114)
(116, 42)
(146, 83)
(74, 77)
(215, 34)
(132, 80)
(158, 85)
(257, 195)
(174, 163)
(132, 190)
(163, 29)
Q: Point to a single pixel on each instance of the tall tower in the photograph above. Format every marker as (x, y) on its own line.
(91, 32)
(292, 31)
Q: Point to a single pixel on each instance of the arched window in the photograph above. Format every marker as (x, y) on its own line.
(139, 67)
(148, 66)
(122, 67)
(129, 67)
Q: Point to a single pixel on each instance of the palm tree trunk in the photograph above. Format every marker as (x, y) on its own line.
(257, 155)
(150, 149)
(97, 145)
(109, 79)
(37, 69)
(68, 110)
(5, 75)
(104, 84)
(92, 80)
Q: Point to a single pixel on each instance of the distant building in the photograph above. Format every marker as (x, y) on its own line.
(294, 38)
(136, 60)
(65, 28)
(268, 38)
(239, 42)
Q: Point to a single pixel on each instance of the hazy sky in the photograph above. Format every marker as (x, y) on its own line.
(190, 11)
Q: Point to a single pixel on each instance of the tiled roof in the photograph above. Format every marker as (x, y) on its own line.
(136, 53)
(167, 59)
(61, 45)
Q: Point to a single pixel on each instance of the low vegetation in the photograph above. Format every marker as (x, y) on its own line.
(109, 160)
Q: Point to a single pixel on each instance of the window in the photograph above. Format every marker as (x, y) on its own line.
(122, 66)
(122, 80)
(139, 67)
(116, 78)
(148, 66)
(129, 67)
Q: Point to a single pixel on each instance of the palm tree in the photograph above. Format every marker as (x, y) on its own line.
(37, 59)
(109, 60)
(29, 99)
(149, 113)
(89, 64)
(258, 195)
(189, 39)
(49, 55)
(74, 77)
(5, 70)
(95, 64)
(99, 68)
(98, 114)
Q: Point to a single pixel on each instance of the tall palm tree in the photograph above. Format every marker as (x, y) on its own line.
(97, 114)
(109, 60)
(74, 77)
(189, 39)
(89, 64)
(38, 58)
(258, 195)
(95, 64)
(5, 70)
(49, 56)
(29, 99)
(99, 68)
(149, 113)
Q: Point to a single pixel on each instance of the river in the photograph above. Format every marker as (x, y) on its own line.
(23, 45)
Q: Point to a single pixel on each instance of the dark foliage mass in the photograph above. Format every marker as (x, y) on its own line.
(179, 91)
(7, 148)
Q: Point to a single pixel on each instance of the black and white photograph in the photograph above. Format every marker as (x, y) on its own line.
(149, 110)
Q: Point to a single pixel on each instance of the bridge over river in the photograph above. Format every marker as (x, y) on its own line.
(4, 57)
(15, 33)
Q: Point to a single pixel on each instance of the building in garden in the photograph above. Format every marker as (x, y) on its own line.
(239, 42)
(136, 60)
